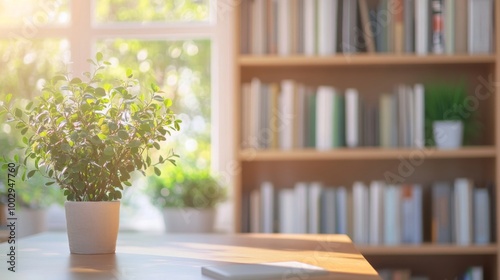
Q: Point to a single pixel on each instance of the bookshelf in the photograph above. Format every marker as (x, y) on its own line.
(378, 72)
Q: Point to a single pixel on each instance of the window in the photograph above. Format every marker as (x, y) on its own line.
(171, 41)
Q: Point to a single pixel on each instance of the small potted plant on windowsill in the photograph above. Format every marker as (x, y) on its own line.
(88, 137)
(448, 120)
(188, 199)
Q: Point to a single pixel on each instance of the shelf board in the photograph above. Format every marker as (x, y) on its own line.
(428, 249)
(248, 155)
(362, 59)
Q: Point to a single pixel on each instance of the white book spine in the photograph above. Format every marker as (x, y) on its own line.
(480, 26)
(422, 26)
(267, 199)
(463, 218)
(352, 113)
(327, 26)
(287, 114)
(309, 27)
(286, 211)
(324, 118)
(301, 208)
(284, 25)
(419, 94)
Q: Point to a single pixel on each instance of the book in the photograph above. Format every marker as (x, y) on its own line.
(267, 204)
(376, 212)
(324, 117)
(399, 28)
(287, 115)
(301, 207)
(274, 122)
(258, 27)
(366, 26)
(271, 26)
(441, 213)
(352, 117)
(253, 271)
(286, 211)
(311, 118)
(309, 27)
(327, 26)
(481, 216)
(314, 197)
(461, 26)
(284, 32)
(245, 27)
(328, 211)
(385, 120)
(392, 216)
(421, 26)
(341, 209)
(246, 105)
(437, 27)
(294, 26)
(419, 116)
(449, 26)
(255, 93)
(349, 23)
(480, 26)
(463, 211)
(360, 210)
(409, 26)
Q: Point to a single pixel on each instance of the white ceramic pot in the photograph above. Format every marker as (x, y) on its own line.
(448, 134)
(30, 221)
(178, 220)
(92, 226)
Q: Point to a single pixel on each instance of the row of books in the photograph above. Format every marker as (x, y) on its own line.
(326, 27)
(471, 273)
(291, 115)
(374, 214)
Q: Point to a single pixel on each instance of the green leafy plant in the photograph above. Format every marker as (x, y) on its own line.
(186, 188)
(448, 102)
(88, 137)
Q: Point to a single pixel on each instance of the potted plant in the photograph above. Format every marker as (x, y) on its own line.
(448, 122)
(187, 198)
(88, 137)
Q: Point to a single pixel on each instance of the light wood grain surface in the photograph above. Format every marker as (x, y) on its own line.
(150, 256)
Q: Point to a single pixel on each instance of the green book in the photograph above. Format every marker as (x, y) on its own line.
(339, 122)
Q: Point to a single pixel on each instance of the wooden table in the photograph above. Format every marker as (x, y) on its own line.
(156, 256)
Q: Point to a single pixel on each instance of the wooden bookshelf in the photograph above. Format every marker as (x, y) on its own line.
(362, 60)
(372, 74)
(365, 154)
